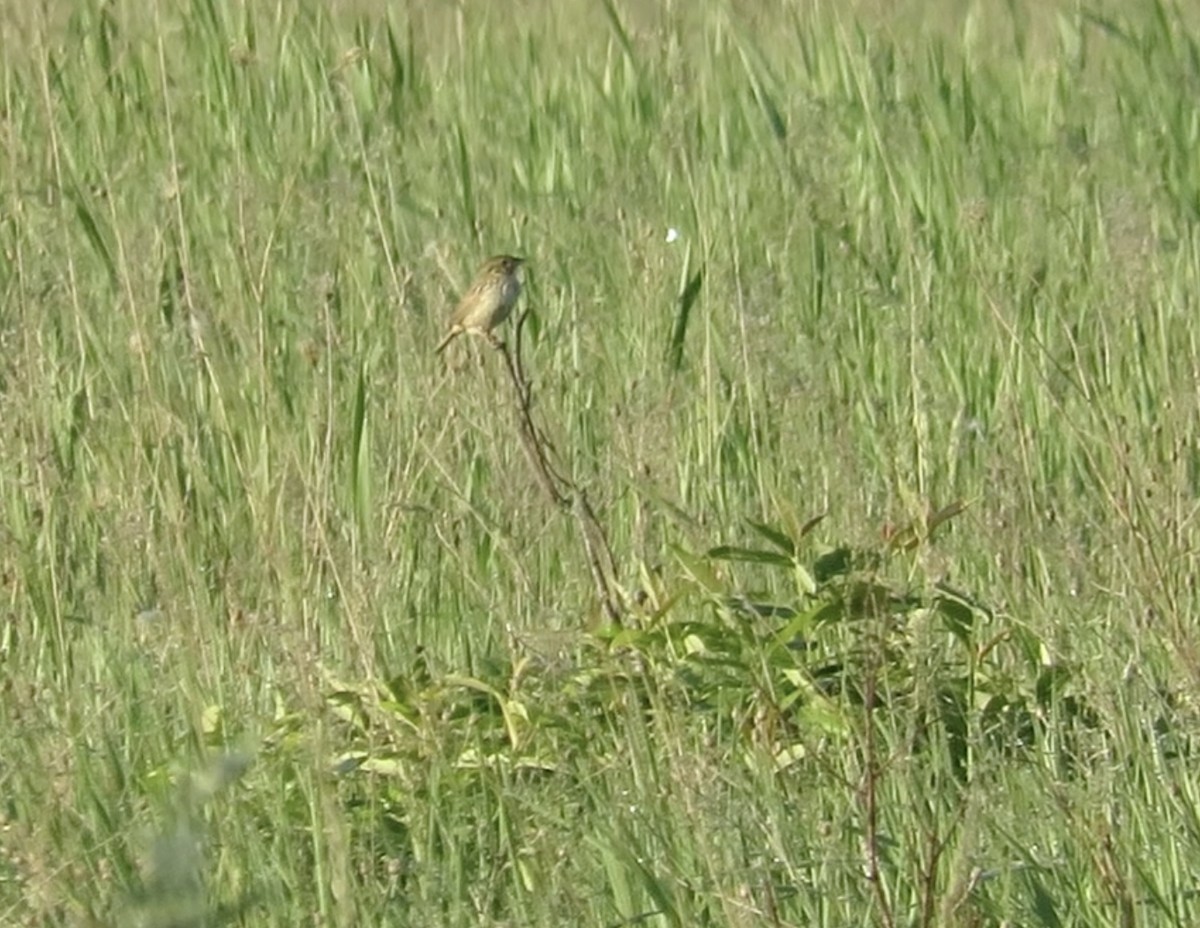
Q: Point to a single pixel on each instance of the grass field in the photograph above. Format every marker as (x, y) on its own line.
(289, 632)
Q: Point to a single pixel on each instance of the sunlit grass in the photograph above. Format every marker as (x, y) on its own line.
(289, 634)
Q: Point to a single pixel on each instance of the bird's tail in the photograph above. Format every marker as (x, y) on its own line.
(450, 336)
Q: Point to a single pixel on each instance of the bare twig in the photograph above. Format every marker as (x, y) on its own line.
(562, 492)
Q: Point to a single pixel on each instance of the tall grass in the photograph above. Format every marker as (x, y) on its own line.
(288, 635)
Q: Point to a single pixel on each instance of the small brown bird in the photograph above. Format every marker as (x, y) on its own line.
(489, 301)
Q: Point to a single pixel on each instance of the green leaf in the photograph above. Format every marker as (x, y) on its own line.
(805, 581)
(615, 21)
(686, 300)
(799, 626)
(835, 563)
(775, 536)
(970, 602)
(698, 570)
(92, 229)
(823, 713)
(771, 111)
(945, 514)
(170, 286)
(360, 470)
(466, 185)
(812, 523)
(1043, 902)
(952, 711)
(958, 618)
(743, 606)
(828, 613)
(396, 56)
(387, 764)
(1050, 684)
(750, 555)
(624, 638)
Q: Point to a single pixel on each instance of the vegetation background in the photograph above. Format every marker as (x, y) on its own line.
(288, 635)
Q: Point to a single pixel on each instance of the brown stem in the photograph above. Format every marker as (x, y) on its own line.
(561, 491)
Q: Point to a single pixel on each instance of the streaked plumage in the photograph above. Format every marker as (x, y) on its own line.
(489, 301)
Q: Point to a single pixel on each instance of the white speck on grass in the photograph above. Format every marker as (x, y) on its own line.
(672, 235)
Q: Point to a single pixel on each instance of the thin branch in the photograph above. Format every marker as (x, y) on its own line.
(562, 492)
